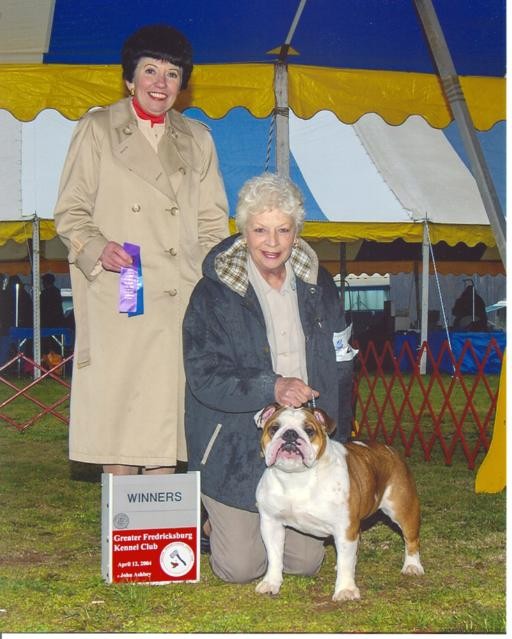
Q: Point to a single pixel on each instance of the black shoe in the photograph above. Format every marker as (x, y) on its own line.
(205, 539)
(205, 544)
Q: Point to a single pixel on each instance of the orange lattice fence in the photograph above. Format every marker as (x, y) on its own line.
(442, 411)
(25, 400)
(439, 411)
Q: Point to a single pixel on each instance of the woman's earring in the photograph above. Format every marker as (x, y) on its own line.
(132, 91)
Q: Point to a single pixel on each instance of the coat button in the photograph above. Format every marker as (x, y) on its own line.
(136, 208)
(174, 210)
(172, 251)
(172, 292)
(182, 170)
(127, 130)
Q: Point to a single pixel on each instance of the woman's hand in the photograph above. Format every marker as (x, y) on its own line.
(114, 257)
(292, 391)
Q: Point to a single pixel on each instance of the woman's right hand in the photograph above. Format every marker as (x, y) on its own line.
(292, 391)
(114, 257)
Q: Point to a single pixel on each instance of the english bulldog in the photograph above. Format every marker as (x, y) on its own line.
(321, 487)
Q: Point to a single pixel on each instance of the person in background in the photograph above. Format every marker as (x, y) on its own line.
(264, 324)
(137, 172)
(16, 312)
(469, 311)
(52, 314)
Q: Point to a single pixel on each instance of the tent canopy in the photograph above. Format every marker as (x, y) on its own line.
(364, 184)
(348, 57)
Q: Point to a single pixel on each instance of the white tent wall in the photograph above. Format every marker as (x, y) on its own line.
(45, 142)
(367, 172)
(31, 159)
(10, 167)
(374, 172)
(347, 187)
(423, 170)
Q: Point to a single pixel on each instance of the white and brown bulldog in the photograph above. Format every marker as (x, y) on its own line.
(321, 487)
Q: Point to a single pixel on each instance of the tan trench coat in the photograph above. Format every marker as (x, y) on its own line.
(128, 383)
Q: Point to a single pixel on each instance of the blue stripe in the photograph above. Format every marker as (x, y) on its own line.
(369, 34)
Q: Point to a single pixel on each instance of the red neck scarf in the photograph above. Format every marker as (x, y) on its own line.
(143, 115)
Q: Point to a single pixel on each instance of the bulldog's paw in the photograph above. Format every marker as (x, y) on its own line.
(347, 594)
(412, 566)
(268, 587)
(413, 570)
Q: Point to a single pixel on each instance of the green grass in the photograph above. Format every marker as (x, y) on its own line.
(50, 561)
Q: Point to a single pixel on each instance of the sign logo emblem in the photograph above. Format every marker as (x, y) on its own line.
(121, 521)
(176, 559)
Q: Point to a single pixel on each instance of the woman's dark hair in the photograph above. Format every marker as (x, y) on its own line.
(161, 42)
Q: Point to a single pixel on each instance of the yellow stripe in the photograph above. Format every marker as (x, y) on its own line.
(470, 234)
(393, 95)
(409, 232)
(27, 89)
(22, 231)
(74, 89)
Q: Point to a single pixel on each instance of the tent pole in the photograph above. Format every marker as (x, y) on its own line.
(416, 276)
(36, 298)
(424, 297)
(454, 95)
(281, 92)
(343, 274)
(282, 118)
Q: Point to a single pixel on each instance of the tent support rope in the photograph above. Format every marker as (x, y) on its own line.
(271, 132)
(438, 285)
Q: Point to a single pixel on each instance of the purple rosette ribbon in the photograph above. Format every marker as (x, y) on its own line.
(131, 289)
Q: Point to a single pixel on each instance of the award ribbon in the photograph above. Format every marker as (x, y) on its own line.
(131, 288)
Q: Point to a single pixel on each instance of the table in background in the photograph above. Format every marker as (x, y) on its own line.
(63, 336)
(479, 342)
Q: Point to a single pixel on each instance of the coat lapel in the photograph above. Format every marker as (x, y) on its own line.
(134, 151)
(165, 170)
(309, 298)
(177, 150)
(251, 303)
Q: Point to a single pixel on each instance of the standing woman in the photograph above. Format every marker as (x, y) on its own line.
(137, 171)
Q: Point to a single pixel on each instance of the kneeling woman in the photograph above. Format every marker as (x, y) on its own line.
(261, 326)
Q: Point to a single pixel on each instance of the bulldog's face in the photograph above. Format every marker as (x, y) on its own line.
(293, 439)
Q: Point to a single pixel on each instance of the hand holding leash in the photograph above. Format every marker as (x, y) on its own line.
(293, 392)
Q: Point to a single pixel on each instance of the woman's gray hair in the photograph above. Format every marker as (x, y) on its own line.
(267, 192)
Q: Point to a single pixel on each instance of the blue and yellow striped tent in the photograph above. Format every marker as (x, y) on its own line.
(348, 58)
